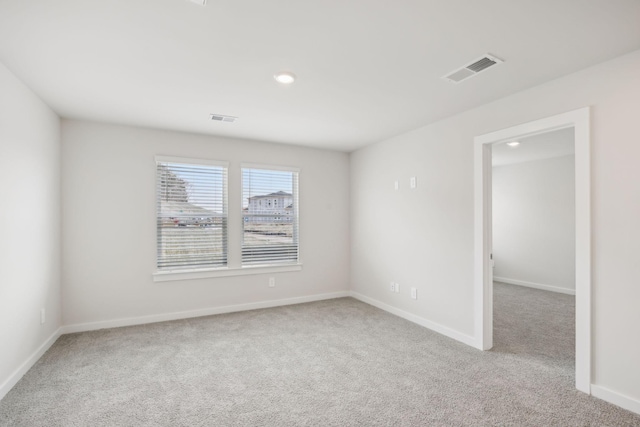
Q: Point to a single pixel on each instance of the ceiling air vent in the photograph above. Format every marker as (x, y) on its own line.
(221, 118)
(470, 70)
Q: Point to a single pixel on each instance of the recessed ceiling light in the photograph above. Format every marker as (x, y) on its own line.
(513, 144)
(285, 77)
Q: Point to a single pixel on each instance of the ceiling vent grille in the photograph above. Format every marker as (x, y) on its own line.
(473, 68)
(222, 118)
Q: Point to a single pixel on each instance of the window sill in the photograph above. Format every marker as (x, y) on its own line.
(167, 276)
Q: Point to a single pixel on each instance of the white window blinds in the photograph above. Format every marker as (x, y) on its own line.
(269, 216)
(191, 214)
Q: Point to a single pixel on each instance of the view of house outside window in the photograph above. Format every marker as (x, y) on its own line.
(270, 216)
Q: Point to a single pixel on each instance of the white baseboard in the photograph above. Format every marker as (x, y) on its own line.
(448, 332)
(535, 285)
(131, 321)
(27, 364)
(616, 398)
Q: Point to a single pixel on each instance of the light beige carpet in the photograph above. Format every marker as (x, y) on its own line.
(328, 363)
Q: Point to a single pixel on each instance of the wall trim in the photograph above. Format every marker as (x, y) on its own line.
(436, 327)
(141, 320)
(167, 276)
(535, 285)
(625, 402)
(13, 379)
(483, 271)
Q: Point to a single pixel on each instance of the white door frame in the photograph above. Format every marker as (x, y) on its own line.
(483, 284)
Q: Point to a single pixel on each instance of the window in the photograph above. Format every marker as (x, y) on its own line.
(191, 197)
(270, 234)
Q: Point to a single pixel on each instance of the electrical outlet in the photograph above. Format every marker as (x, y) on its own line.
(392, 287)
(272, 282)
(396, 185)
(43, 316)
(397, 288)
(414, 293)
(413, 183)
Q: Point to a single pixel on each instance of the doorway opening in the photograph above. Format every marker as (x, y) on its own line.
(533, 236)
(578, 121)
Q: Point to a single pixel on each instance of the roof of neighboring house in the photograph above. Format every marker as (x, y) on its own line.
(278, 194)
(179, 209)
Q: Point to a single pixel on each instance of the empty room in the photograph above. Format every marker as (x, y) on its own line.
(293, 213)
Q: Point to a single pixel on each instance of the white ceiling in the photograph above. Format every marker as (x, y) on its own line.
(543, 146)
(367, 69)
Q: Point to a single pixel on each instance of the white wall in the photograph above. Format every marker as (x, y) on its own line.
(29, 224)
(424, 237)
(534, 223)
(110, 230)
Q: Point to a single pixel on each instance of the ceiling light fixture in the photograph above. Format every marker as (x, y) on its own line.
(285, 77)
(513, 144)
